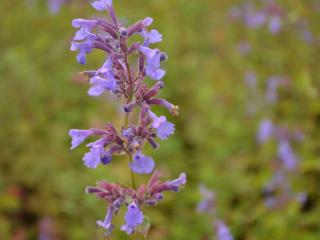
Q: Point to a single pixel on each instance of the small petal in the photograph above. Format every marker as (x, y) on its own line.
(102, 5)
(107, 221)
(153, 59)
(78, 136)
(175, 184)
(106, 157)
(163, 127)
(154, 36)
(93, 158)
(133, 218)
(142, 164)
(147, 21)
(83, 23)
(165, 130)
(99, 85)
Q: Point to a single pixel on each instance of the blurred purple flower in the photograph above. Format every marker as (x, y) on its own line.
(251, 79)
(244, 48)
(222, 231)
(275, 24)
(255, 19)
(55, 5)
(271, 94)
(286, 155)
(266, 130)
(102, 5)
(207, 203)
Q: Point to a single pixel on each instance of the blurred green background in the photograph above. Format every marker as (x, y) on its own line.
(42, 96)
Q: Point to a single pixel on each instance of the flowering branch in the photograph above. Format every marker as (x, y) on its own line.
(120, 78)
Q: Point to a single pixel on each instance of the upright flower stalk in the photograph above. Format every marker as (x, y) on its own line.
(128, 64)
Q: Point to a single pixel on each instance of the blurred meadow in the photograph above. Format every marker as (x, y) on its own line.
(229, 69)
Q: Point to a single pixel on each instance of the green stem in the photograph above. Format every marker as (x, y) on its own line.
(133, 184)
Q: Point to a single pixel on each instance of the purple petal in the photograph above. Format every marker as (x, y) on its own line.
(165, 130)
(78, 136)
(97, 87)
(154, 36)
(93, 158)
(107, 221)
(133, 218)
(142, 164)
(102, 5)
(175, 184)
(83, 23)
(147, 21)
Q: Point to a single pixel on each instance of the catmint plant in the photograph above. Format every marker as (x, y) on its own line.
(278, 191)
(124, 75)
(207, 206)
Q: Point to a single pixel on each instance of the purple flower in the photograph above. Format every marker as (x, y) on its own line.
(266, 130)
(271, 92)
(222, 231)
(84, 48)
(154, 36)
(153, 59)
(78, 136)
(251, 79)
(286, 154)
(207, 203)
(244, 48)
(151, 37)
(255, 19)
(275, 24)
(85, 28)
(96, 155)
(55, 5)
(107, 223)
(133, 218)
(175, 184)
(163, 127)
(142, 164)
(99, 85)
(106, 82)
(102, 5)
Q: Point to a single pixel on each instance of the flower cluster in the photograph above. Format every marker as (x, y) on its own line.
(207, 205)
(123, 75)
(278, 191)
(270, 15)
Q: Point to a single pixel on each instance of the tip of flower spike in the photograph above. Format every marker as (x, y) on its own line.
(174, 111)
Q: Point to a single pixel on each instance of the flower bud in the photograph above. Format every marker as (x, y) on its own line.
(123, 32)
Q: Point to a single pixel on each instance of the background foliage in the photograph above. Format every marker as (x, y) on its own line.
(41, 97)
